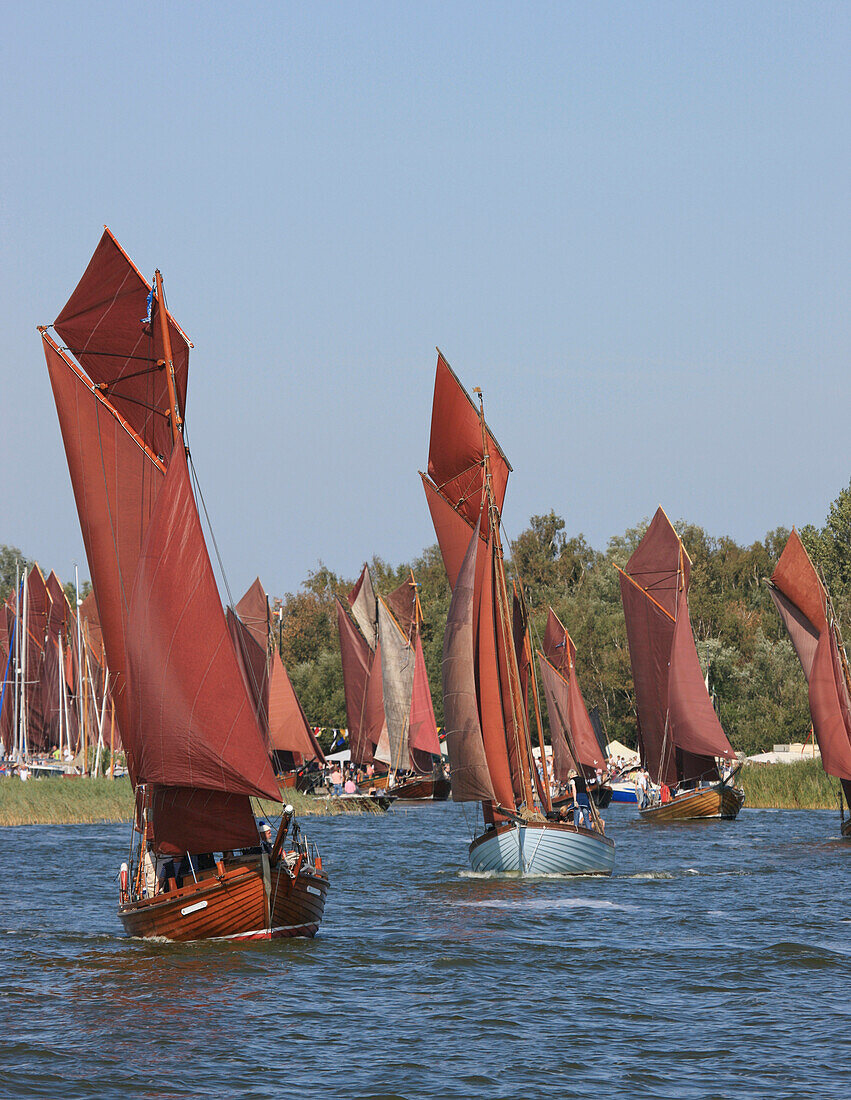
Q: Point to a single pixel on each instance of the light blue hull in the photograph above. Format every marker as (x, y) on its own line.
(542, 849)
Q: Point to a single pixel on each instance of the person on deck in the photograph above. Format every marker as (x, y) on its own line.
(266, 838)
(579, 794)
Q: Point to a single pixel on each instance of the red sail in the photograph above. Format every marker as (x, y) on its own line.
(103, 324)
(693, 725)
(90, 621)
(453, 534)
(185, 819)
(288, 728)
(423, 728)
(402, 601)
(254, 665)
(829, 708)
(60, 609)
(469, 774)
(116, 482)
(500, 752)
(796, 577)
(455, 457)
(558, 648)
(556, 695)
(802, 634)
(649, 594)
(253, 609)
(584, 739)
(364, 709)
(192, 719)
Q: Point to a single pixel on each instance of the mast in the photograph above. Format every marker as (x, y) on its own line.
(519, 719)
(173, 410)
(80, 728)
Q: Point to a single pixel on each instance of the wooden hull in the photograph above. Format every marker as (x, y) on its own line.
(542, 848)
(427, 787)
(233, 906)
(719, 801)
(416, 788)
(846, 828)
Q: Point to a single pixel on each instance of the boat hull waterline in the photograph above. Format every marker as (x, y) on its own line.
(720, 802)
(233, 906)
(542, 848)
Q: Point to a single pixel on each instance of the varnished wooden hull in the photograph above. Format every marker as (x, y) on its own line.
(542, 848)
(233, 906)
(846, 828)
(414, 789)
(427, 787)
(719, 801)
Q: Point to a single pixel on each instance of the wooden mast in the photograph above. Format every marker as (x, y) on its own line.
(173, 410)
(518, 716)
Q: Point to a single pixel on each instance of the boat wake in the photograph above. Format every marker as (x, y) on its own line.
(549, 903)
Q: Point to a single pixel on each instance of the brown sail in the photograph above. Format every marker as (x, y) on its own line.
(288, 727)
(192, 717)
(469, 772)
(364, 708)
(804, 606)
(102, 324)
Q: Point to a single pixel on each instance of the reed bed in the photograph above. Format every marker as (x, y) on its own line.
(800, 786)
(80, 801)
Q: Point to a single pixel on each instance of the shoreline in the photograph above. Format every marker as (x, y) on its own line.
(101, 801)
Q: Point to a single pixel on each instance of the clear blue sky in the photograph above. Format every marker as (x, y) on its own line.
(628, 223)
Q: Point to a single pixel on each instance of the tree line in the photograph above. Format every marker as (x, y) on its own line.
(754, 675)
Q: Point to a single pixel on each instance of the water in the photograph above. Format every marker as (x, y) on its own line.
(715, 963)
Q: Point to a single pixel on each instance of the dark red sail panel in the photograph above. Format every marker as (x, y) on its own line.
(556, 696)
(402, 601)
(558, 648)
(469, 774)
(490, 691)
(581, 730)
(253, 609)
(90, 621)
(796, 577)
(194, 724)
(185, 819)
(453, 533)
(103, 324)
(802, 633)
(829, 708)
(60, 609)
(455, 457)
(253, 663)
(650, 633)
(693, 725)
(358, 663)
(115, 483)
(288, 728)
(423, 727)
(657, 562)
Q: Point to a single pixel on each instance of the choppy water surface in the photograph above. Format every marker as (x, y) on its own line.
(715, 963)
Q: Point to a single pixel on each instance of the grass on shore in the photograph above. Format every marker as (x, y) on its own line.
(800, 786)
(80, 801)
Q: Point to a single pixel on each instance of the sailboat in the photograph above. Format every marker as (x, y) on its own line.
(679, 735)
(807, 611)
(577, 748)
(488, 734)
(292, 742)
(197, 865)
(388, 699)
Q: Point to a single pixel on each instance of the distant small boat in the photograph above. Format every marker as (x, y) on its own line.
(807, 611)
(488, 660)
(388, 699)
(623, 790)
(679, 734)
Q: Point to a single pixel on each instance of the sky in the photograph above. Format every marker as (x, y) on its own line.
(628, 223)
